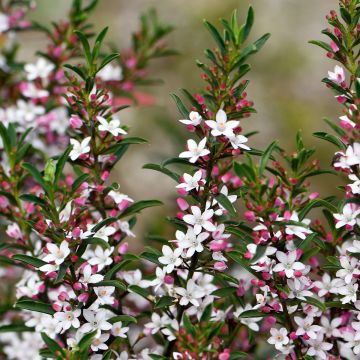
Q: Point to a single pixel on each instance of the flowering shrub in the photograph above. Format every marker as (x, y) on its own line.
(250, 267)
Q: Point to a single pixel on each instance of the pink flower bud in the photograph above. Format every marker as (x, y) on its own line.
(182, 203)
(293, 335)
(249, 216)
(105, 175)
(220, 266)
(123, 248)
(77, 286)
(56, 307)
(83, 297)
(169, 280)
(334, 47)
(314, 195)
(75, 122)
(63, 296)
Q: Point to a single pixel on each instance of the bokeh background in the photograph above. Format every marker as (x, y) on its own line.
(285, 82)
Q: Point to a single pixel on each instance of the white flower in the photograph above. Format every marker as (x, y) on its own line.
(251, 323)
(192, 182)
(191, 294)
(349, 268)
(338, 76)
(78, 148)
(66, 319)
(125, 227)
(98, 342)
(101, 257)
(238, 141)
(118, 197)
(318, 347)
(355, 247)
(298, 290)
(348, 217)
(352, 155)
(288, 263)
(104, 232)
(57, 253)
(349, 291)
(119, 330)
(96, 321)
(194, 119)
(66, 212)
(297, 230)
(27, 112)
(305, 326)
(135, 278)
(171, 258)
(157, 323)
(4, 23)
(221, 126)
(112, 127)
(110, 72)
(160, 278)
(190, 241)
(278, 338)
(200, 220)
(90, 278)
(194, 150)
(104, 295)
(325, 285)
(41, 69)
(331, 328)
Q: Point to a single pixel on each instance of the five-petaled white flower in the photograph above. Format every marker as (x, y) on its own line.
(195, 150)
(96, 321)
(171, 258)
(113, 126)
(288, 263)
(190, 241)
(192, 182)
(349, 268)
(338, 75)
(194, 119)
(119, 330)
(101, 257)
(278, 338)
(305, 326)
(98, 342)
(318, 348)
(238, 141)
(41, 69)
(221, 126)
(88, 277)
(56, 253)
(191, 294)
(104, 295)
(66, 319)
(200, 220)
(348, 217)
(79, 148)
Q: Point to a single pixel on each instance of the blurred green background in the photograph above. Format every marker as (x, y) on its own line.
(285, 81)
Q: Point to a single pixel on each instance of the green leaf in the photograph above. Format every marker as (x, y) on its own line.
(80, 180)
(252, 314)
(138, 206)
(97, 241)
(266, 156)
(108, 59)
(163, 170)
(85, 45)
(316, 203)
(238, 355)
(52, 345)
(61, 163)
(224, 292)
(16, 328)
(330, 138)
(29, 260)
(139, 290)
(35, 174)
(103, 223)
(189, 327)
(150, 257)
(123, 318)
(248, 25)
(33, 305)
(321, 44)
(116, 283)
(225, 202)
(312, 301)
(183, 110)
(98, 42)
(86, 340)
(216, 36)
(164, 301)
